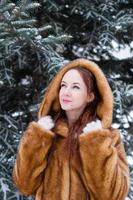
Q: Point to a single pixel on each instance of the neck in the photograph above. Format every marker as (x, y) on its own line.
(73, 116)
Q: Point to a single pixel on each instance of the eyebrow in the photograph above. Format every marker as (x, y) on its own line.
(73, 83)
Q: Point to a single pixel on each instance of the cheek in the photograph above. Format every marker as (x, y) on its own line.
(80, 95)
(60, 95)
(81, 98)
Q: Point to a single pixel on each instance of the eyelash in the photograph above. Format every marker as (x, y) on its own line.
(75, 86)
(62, 85)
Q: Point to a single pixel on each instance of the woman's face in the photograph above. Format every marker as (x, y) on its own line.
(73, 92)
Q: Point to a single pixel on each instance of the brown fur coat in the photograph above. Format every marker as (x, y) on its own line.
(99, 171)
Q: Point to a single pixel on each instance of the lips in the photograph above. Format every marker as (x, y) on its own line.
(66, 101)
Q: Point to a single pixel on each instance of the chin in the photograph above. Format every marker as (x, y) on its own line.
(64, 107)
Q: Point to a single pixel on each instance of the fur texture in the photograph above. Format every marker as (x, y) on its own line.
(99, 170)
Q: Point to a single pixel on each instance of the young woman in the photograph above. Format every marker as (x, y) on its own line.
(72, 152)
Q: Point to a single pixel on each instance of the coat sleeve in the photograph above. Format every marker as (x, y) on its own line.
(31, 159)
(104, 164)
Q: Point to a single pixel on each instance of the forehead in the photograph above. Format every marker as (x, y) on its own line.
(72, 76)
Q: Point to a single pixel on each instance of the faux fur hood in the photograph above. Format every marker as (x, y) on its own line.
(50, 103)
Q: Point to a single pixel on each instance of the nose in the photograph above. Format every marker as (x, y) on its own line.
(67, 91)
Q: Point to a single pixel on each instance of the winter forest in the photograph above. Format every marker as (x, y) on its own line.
(36, 39)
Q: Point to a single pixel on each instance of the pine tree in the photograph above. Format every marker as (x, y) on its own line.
(29, 57)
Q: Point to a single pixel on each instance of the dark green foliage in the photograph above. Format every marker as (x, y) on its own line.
(28, 60)
(93, 24)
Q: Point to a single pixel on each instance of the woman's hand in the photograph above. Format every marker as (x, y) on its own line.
(46, 122)
(92, 126)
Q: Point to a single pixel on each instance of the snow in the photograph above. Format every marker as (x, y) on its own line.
(130, 160)
(124, 52)
(115, 125)
(126, 125)
(26, 81)
(16, 114)
(131, 113)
